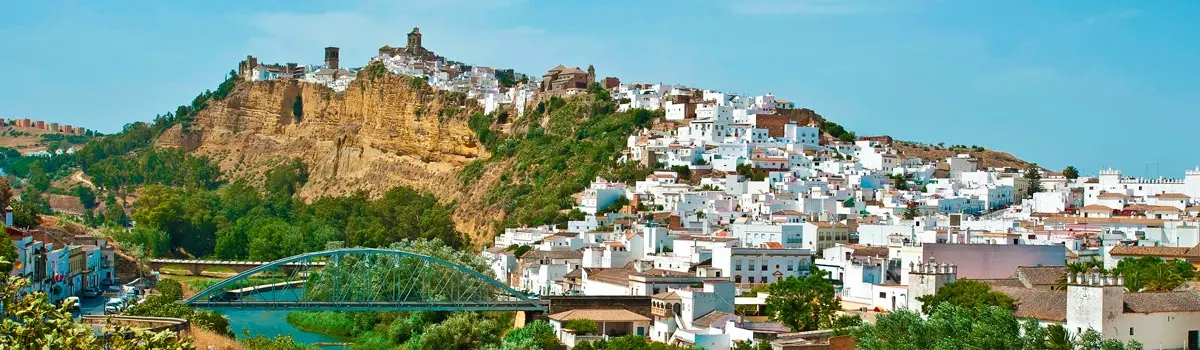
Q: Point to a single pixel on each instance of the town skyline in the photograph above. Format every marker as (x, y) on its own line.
(1021, 94)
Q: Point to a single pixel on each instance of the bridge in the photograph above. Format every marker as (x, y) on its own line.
(198, 266)
(362, 279)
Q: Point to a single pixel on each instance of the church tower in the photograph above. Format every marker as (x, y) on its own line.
(414, 39)
(591, 78)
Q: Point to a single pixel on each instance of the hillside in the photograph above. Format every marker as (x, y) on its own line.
(388, 130)
(988, 158)
(384, 131)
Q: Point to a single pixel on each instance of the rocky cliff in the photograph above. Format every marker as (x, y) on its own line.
(385, 130)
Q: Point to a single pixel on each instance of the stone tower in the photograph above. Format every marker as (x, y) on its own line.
(331, 57)
(926, 278)
(591, 78)
(414, 39)
(1094, 301)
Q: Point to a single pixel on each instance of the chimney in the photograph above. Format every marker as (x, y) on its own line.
(8, 216)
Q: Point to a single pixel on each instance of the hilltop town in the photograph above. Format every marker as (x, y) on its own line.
(733, 193)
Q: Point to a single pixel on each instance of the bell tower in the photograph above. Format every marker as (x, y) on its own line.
(414, 39)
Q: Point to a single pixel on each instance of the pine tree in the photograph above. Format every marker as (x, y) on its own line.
(1034, 178)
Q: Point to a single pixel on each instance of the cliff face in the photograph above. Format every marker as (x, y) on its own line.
(384, 131)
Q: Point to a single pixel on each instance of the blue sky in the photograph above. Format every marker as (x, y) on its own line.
(1087, 83)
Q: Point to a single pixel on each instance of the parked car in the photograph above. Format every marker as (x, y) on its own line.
(91, 292)
(73, 301)
(114, 306)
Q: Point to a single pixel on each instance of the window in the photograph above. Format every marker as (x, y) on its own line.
(751, 279)
(737, 279)
(1131, 328)
(737, 266)
(752, 263)
(764, 266)
(789, 266)
(882, 295)
(655, 291)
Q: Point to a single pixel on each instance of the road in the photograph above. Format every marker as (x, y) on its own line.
(78, 177)
(91, 306)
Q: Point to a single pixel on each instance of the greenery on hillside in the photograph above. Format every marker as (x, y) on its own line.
(556, 150)
(238, 221)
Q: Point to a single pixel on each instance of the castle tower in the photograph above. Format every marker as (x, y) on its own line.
(1094, 300)
(1110, 177)
(926, 278)
(414, 40)
(1191, 183)
(591, 78)
(331, 57)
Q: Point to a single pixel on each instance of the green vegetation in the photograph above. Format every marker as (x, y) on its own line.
(1152, 274)
(556, 151)
(32, 322)
(170, 289)
(1070, 172)
(837, 131)
(911, 211)
(338, 324)
(803, 303)
(280, 342)
(164, 306)
(956, 327)
(969, 294)
(582, 327)
(629, 342)
(1034, 179)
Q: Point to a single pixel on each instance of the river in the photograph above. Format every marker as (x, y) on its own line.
(270, 323)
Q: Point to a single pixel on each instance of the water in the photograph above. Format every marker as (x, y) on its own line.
(270, 323)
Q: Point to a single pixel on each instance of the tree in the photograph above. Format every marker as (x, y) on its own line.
(38, 179)
(1033, 177)
(162, 306)
(970, 294)
(911, 212)
(86, 196)
(803, 303)
(949, 327)
(582, 326)
(1070, 172)
(1057, 338)
(33, 322)
(169, 288)
(8, 256)
(5, 192)
(26, 214)
(464, 331)
(536, 335)
(1152, 274)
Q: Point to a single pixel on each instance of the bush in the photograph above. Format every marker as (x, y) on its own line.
(337, 324)
(170, 289)
(582, 327)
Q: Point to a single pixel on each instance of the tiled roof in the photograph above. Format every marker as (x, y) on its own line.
(708, 319)
(863, 250)
(773, 245)
(552, 254)
(666, 296)
(1124, 250)
(1111, 195)
(661, 273)
(1039, 275)
(617, 276)
(1184, 301)
(1094, 208)
(1172, 196)
(1004, 282)
(1041, 304)
(600, 315)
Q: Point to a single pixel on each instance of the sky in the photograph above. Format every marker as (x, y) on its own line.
(1094, 84)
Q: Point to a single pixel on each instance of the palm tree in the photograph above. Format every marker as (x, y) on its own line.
(1160, 278)
(1058, 338)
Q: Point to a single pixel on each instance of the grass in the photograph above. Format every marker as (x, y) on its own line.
(331, 323)
(203, 338)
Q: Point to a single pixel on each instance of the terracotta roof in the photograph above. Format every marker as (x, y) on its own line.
(1121, 220)
(708, 319)
(706, 238)
(1096, 208)
(600, 315)
(1041, 304)
(1003, 282)
(1184, 301)
(1092, 181)
(617, 276)
(666, 296)
(552, 254)
(787, 212)
(1172, 196)
(1039, 275)
(1111, 195)
(773, 245)
(1177, 252)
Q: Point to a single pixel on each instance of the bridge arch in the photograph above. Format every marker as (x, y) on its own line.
(364, 279)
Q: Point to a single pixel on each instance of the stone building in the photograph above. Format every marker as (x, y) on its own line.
(562, 79)
(331, 57)
(412, 49)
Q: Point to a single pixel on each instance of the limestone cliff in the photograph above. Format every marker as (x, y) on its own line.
(383, 131)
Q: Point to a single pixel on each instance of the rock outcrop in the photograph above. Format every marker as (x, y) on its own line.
(384, 131)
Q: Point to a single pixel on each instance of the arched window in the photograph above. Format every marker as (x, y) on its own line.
(737, 279)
